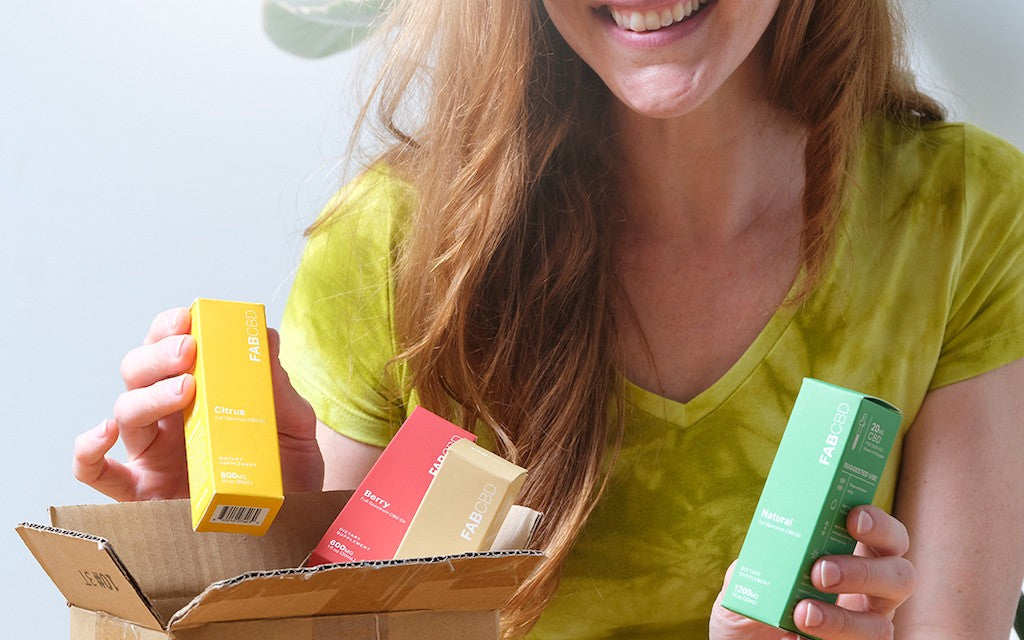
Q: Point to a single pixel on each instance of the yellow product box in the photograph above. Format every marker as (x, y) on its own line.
(234, 466)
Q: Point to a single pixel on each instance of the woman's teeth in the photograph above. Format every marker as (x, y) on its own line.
(652, 20)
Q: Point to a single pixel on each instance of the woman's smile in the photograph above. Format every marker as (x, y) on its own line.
(640, 20)
(665, 58)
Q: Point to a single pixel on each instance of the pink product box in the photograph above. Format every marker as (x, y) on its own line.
(373, 522)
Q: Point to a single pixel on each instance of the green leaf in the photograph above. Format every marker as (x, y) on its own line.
(318, 28)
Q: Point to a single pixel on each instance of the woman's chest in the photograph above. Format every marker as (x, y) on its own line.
(683, 327)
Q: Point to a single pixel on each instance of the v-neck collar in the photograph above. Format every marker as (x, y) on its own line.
(687, 414)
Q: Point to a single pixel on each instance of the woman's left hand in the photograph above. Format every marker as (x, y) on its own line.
(871, 584)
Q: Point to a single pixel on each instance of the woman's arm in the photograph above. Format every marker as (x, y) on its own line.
(346, 461)
(960, 496)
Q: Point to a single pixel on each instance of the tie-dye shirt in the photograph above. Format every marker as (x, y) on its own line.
(925, 288)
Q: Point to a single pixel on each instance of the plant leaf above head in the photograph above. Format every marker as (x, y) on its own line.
(319, 28)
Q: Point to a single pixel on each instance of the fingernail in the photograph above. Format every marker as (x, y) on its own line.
(180, 387)
(814, 617)
(864, 522)
(175, 318)
(102, 429)
(179, 347)
(830, 573)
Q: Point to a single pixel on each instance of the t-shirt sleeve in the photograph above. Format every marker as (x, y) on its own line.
(985, 327)
(337, 333)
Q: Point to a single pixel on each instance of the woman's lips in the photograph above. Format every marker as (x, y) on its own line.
(648, 20)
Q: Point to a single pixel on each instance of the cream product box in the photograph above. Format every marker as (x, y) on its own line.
(830, 459)
(466, 504)
(372, 524)
(234, 467)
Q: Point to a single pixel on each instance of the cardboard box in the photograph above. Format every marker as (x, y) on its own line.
(234, 468)
(830, 459)
(137, 570)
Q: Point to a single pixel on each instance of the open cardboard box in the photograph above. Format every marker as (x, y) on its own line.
(137, 570)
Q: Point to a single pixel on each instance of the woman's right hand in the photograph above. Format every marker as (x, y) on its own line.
(148, 419)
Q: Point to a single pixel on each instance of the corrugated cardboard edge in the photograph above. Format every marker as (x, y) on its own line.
(104, 546)
(218, 593)
(469, 582)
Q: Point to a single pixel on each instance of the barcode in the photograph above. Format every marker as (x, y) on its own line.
(240, 515)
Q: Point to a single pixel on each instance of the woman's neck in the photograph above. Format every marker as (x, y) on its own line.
(715, 174)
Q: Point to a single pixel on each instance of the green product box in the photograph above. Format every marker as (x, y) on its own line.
(830, 460)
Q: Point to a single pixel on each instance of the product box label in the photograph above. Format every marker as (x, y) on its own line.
(234, 467)
(373, 522)
(466, 504)
(830, 459)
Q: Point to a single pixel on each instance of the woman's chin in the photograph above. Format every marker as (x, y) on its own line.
(663, 98)
(657, 107)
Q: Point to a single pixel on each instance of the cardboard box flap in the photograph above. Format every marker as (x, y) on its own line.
(88, 572)
(478, 581)
(173, 564)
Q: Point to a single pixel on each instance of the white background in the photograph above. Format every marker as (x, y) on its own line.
(152, 152)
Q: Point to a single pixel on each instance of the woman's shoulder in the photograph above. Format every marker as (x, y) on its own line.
(374, 205)
(378, 184)
(952, 175)
(359, 229)
(959, 150)
(338, 331)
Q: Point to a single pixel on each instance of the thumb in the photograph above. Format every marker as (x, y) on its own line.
(728, 625)
(295, 416)
(725, 584)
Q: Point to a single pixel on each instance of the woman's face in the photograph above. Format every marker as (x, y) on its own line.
(663, 71)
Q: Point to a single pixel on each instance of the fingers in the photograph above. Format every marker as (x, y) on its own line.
(728, 573)
(295, 416)
(725, 585)
(886, 582)
(879, 531)
(172, 322)
(878, 582)
(824, 620)
(137, 411)
(91, 466)
(729, 625)
(167, 357)
(88, 463)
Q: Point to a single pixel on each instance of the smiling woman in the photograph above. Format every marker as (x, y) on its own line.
(590, 220)
(614, 253)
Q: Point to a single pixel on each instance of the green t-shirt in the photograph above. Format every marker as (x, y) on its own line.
(925, 288)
